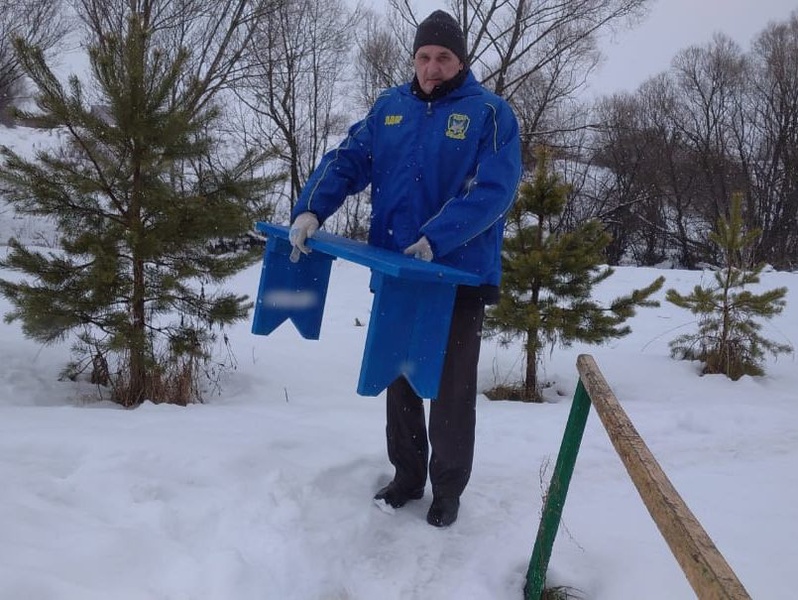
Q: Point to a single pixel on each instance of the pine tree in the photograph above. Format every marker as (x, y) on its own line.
(137, 199)
(728, 339)
(549, 275)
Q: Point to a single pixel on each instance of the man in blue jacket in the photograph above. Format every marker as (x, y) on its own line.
(442, 156)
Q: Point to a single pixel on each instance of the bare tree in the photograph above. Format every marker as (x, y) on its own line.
(383, 58)
(620, 190)
(40, 23)
(297, 70)
(651, 180)
(718, 123)
(773, 116)
(677, 150)
(710, 82)
(219, 37)
(671, 173)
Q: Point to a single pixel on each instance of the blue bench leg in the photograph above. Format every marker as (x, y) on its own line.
(407, 335)
(287, 290)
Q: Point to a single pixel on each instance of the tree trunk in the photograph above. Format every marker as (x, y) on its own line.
(137, 386)
(531, 392)
(136, 393)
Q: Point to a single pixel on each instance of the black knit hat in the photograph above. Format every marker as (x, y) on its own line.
(441, 29)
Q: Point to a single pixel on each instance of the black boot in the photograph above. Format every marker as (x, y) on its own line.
(443, 511)
(396, 496)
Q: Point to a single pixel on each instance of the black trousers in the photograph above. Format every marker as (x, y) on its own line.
(452, 415)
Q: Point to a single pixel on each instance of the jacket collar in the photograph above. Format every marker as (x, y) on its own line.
(444, 89)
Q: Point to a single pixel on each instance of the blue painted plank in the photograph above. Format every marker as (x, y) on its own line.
(379, 259)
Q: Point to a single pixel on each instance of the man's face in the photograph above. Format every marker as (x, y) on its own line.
(434, 65)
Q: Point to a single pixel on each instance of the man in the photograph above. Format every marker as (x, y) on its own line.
(442, 155)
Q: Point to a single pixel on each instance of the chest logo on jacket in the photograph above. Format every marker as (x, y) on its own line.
(457, 126)
(393, 119)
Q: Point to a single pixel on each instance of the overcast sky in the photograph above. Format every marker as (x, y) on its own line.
(676, 24)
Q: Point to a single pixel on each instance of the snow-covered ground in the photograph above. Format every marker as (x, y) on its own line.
(264, 491)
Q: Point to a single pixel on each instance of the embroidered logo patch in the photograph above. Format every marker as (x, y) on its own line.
(393, 119)
(457, 126)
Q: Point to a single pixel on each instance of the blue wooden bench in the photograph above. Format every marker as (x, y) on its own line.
(410, 314)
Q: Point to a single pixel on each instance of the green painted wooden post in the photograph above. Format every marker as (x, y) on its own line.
(555, 497)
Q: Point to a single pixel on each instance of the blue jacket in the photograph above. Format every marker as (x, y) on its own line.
(446, 169)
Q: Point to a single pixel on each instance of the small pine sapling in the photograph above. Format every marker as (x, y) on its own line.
(548, 279)
(729, 339)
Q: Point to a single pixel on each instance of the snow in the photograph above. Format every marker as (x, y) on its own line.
(264, 491)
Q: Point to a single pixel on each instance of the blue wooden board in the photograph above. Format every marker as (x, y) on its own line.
(379, 259)
(411, 310)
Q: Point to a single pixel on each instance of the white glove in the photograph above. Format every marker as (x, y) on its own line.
(303, 227)
(420, 250)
